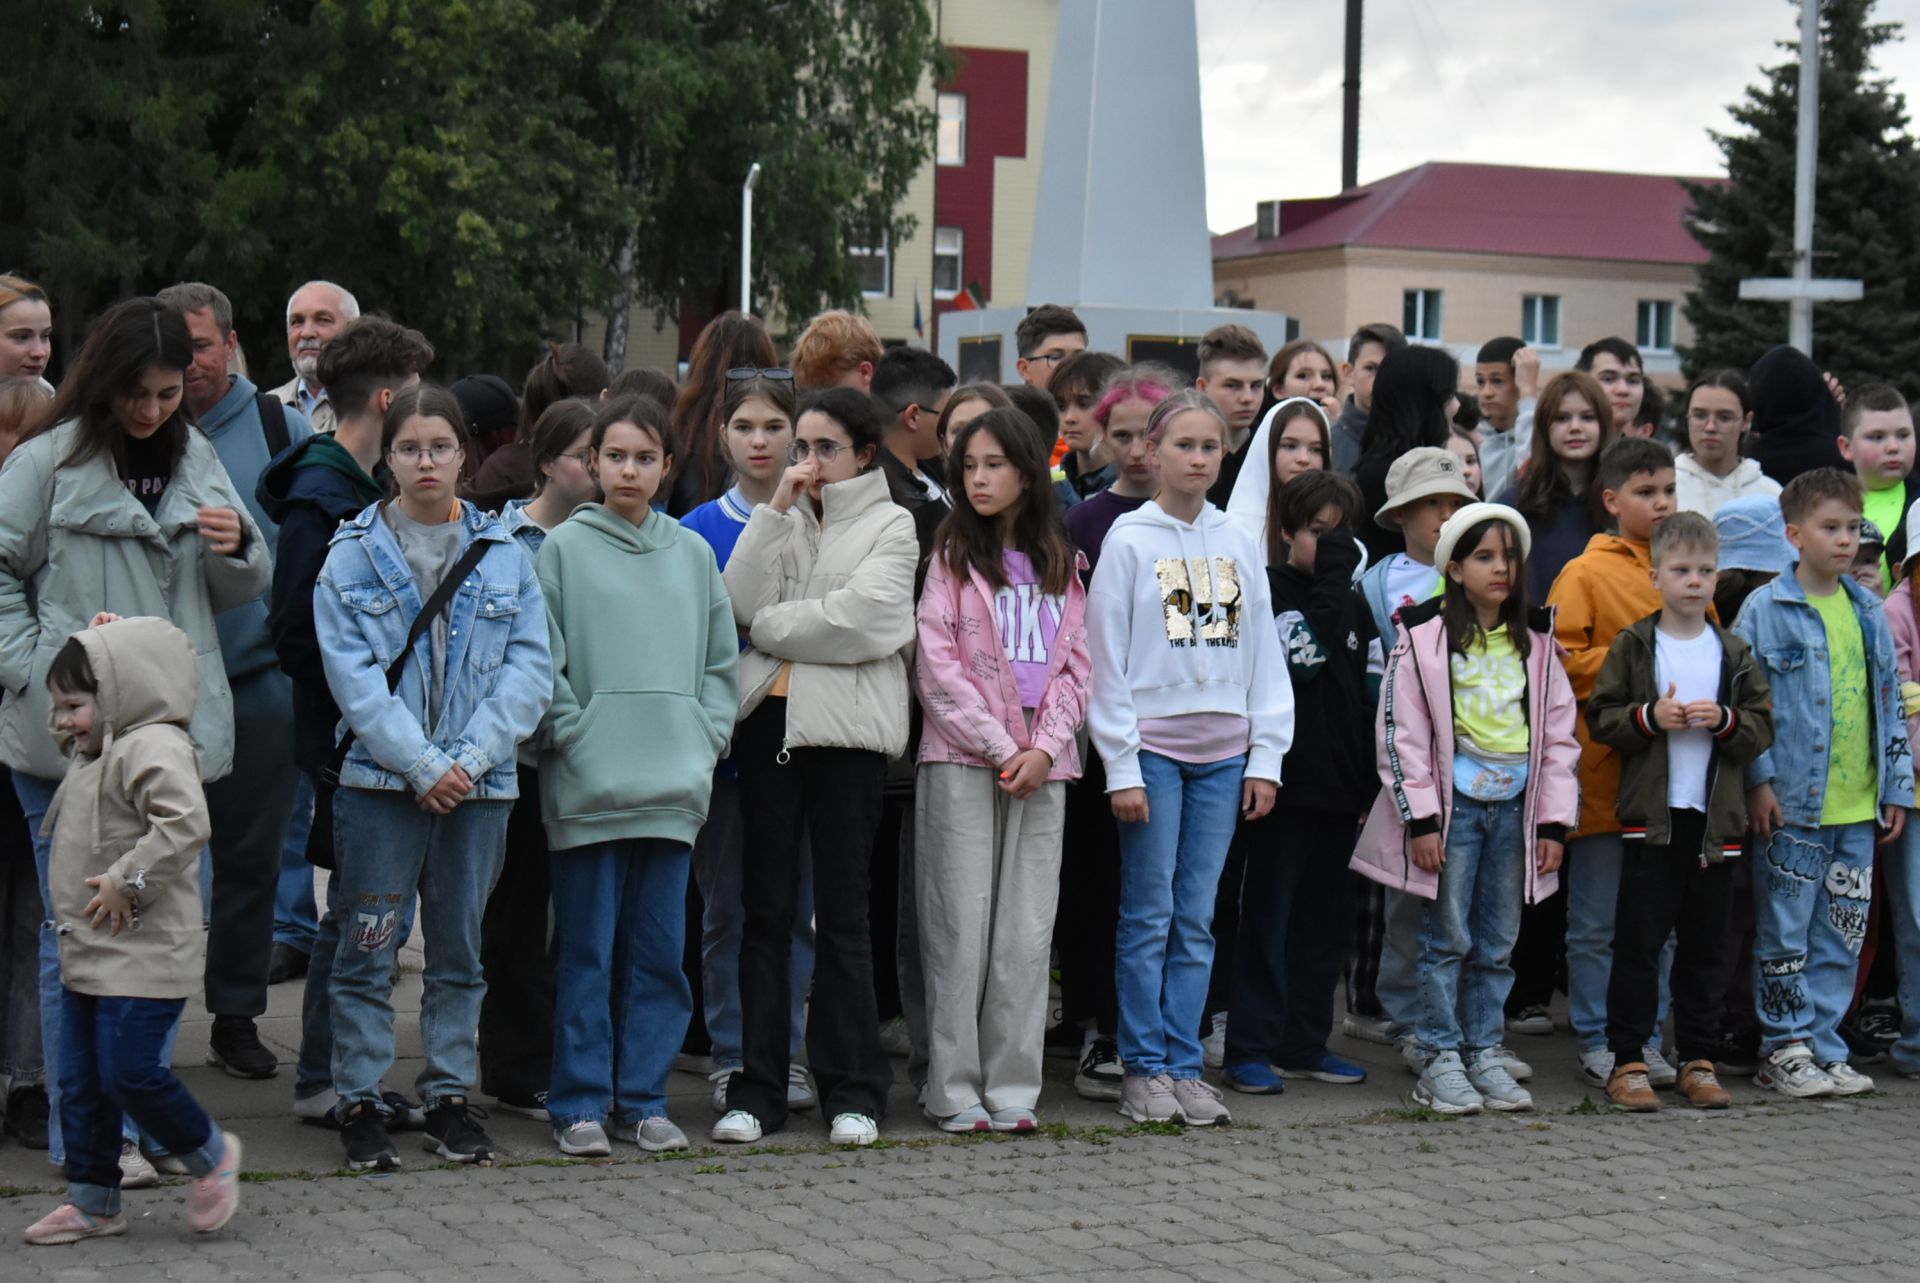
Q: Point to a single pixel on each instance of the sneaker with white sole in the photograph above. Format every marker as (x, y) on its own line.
(532, 1105)
(1596, 1066)
(68, 1224)
(1148, 1099)
(135, 1171)
(1213, 1048)
(216, 1196)
(973, 1118)
(720, 1078)
(1414, 1056)
(584, 1139)
(1445, 1089)
(1535, 1022)
(1199, 1103)
(1368, 1029)
(1660, 1071)
(1847, 1081)
(736, 1127)
(1517, 1069)
(1015, 1119)
(1489, 1076)
(853, 1129)
(658, 1135)
(1100, 1075)
(1790, 1071)
(800, 1094)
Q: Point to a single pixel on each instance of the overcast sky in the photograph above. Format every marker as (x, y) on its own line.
(1618, 84)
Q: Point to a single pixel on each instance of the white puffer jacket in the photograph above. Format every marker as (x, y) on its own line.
(1697, 490)
(833, 596)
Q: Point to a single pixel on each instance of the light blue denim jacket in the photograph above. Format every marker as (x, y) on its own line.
(1787, 635)
(499, 676)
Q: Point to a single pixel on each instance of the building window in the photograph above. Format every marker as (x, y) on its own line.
(1540, 320)
(874, 267)
(952, 141)
(1420, 314)
(1656, 325)
(949, 245)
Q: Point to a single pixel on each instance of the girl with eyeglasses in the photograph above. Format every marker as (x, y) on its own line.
(822, 587)
(1712, 470)
(430, 773)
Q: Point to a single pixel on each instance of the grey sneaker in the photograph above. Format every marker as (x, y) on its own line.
(800, 1094)
(1413, 1056)
(1015, 1119)
(1847, 1081)
(1148, 1100)
(657, 1135)
(971, 1119)
(1445, 1088)
(1790, 1071)
(1517, 1069)
(1660, 1070)
(582, 1140)
(1368, 1029)
(1489, 1076)
(1596, 1066)
(1213, 1048)
(1198, 1103)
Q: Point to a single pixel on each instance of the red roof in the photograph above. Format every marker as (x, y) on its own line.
(1491, 209)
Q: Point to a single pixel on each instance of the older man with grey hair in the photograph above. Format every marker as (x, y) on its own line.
(316, 310)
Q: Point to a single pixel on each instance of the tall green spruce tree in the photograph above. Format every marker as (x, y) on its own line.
(1866, 224)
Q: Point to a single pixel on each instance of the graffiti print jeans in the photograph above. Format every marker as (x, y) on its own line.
(1812, 889)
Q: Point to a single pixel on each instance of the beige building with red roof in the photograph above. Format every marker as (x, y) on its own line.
(1456, 254)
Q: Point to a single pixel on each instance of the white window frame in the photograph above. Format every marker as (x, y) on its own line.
(1533, 310)
(959, 257)
(885, 253)
(1420, 298)
(943, 100)
(1647, 319)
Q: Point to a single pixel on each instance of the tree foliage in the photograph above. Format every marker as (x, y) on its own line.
(490, 171)
(1866, 225)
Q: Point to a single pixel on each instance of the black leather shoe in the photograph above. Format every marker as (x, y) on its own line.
(236, 1048)
(285, 963)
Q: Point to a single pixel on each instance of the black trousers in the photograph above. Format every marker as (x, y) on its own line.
(1089, 912)
(250, 810)
(833, 796)
(1540, 954)
(1226, 928)
(1667, 890)
(1296, 924)
(1363, 957)
(516, 953)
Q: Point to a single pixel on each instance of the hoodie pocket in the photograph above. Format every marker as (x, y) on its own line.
(636, 751)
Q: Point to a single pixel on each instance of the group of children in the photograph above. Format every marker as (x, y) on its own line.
(1183, 596)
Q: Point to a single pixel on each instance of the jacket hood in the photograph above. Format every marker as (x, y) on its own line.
(1614, 545)
(659, 531)
(1790, 397)
(317, 471)
(1210, 520)
(240, 394)
(1744, 473)
(147, 674)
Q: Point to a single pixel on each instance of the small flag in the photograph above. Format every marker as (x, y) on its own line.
(919, 325)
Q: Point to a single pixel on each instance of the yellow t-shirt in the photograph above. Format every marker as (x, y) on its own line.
(1489, 685)
(1883, 509)
(1853, 785)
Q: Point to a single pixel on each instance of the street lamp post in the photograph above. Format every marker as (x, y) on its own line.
(746, 238)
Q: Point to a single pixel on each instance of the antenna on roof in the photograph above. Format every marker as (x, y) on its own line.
(1350, 109)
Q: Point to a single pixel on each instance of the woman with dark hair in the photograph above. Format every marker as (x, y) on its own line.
(1718, 412)
(730, 341)
(567, 369)
(1414, 397)
(118, 491)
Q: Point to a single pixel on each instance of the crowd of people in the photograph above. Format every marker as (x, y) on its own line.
(778, 718)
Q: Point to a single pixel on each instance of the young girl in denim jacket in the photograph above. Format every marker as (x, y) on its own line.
(1478, 759)
(1002, 675)
(429, 778)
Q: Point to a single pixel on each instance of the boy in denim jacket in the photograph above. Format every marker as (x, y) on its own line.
(1840, 764)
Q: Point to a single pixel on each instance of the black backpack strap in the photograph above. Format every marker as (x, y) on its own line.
(431, 610)
(273, 424)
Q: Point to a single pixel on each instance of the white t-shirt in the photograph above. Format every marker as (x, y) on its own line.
(1693, 668)
(1409, 583)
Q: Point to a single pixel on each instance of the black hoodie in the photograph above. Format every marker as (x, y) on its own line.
(1796, 423)
(1328, 635)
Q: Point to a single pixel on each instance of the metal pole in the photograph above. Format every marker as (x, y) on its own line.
(1350, 103)
(1800, 309)
(746, 239)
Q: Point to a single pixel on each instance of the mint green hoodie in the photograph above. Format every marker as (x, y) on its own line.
(645, 685)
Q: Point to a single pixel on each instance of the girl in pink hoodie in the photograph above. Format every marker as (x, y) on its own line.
(1002, 676)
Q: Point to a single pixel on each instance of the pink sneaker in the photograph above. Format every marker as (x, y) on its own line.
(217, 1194)
(68, 1224)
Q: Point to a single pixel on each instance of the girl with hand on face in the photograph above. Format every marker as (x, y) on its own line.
(430, 771)
(644, 694)
(1711, 470)
(1002, 677)
(1192, 712)
(1573, 423)
(822, 588)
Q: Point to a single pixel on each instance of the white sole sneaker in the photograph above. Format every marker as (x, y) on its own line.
(583, 1142)
(1427, 1100)
(737, 1127)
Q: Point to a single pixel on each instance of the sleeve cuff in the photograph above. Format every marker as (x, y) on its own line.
(1643, 721)
(1424, 826)
(1551, 833)
(1729, 723)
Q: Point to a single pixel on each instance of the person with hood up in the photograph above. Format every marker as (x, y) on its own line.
(1796, 415)
(128, 823)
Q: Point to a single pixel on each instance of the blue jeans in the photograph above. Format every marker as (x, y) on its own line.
(719, 867)
(113, 1062)
(621, 998)
(1900, 868)
(295, 920)
(1812, 890)
(36, 795)
(1592, 878)
(388, 848)
(1169, 878)
(1465, 966)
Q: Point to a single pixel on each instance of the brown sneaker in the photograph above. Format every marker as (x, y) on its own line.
(1700, 1087)
(1629, 1088)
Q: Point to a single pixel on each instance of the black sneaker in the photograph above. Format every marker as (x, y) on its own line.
(27, 1116)
(236, 1048)
(286, 963)
(1862, 1047)
(455, 1135)
(1878, 1022)
(1065, 1039)
(532, 1105)
(1100, 1075)
(363, 1130)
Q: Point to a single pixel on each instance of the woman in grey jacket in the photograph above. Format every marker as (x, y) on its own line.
(118, 505)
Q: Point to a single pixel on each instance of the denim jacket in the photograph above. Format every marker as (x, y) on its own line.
(1785, 631)
(499, 676)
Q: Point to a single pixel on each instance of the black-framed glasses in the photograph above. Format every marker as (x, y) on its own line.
(776, 373)
(825, 451)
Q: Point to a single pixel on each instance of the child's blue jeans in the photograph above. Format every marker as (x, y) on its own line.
(1812, 890)
(1466, 935)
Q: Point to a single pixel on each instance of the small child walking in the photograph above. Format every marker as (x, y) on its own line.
(124, 873)
(1477, 755)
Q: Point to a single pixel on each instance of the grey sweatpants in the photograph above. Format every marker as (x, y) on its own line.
(987, 878)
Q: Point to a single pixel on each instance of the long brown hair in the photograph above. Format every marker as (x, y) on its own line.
(1544, 488)
(730, 341)
(129, 337)
(567, 369)
(967, 539)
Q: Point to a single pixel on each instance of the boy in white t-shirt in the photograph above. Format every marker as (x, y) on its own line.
(1683, 703)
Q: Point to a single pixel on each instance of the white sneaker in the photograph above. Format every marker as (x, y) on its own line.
(1847, 1081)
(854, 1129)
(1413, 1057)
(135, 1171)
(1790, 1071)
(657, 1135)
(720, 1078)
(800, 1096)
(1660, 1070)
(585, 1139)
(1517, 1069)
(1369, 1029)
(974, 1118)
(1445, 1088)
(1490, 1077)
(1213, 1048)
(736, 1127)
(1596, 1066)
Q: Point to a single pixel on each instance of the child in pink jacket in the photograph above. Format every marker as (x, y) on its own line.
(1900, 860)
(1479, 761)
(1002, 676)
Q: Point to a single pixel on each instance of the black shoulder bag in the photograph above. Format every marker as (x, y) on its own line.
(320, 835)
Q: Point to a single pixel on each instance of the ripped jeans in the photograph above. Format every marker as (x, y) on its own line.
(1812, 889)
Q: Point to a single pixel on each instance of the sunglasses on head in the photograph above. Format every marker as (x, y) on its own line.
(776, 373)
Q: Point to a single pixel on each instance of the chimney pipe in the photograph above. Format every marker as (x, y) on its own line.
(1350, 108)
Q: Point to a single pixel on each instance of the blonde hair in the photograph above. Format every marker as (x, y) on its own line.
(833, 344)
(17, 289)
(23, 408)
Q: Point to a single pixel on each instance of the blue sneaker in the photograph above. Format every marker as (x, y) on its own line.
(1328, 1069)
(1255, 1078)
